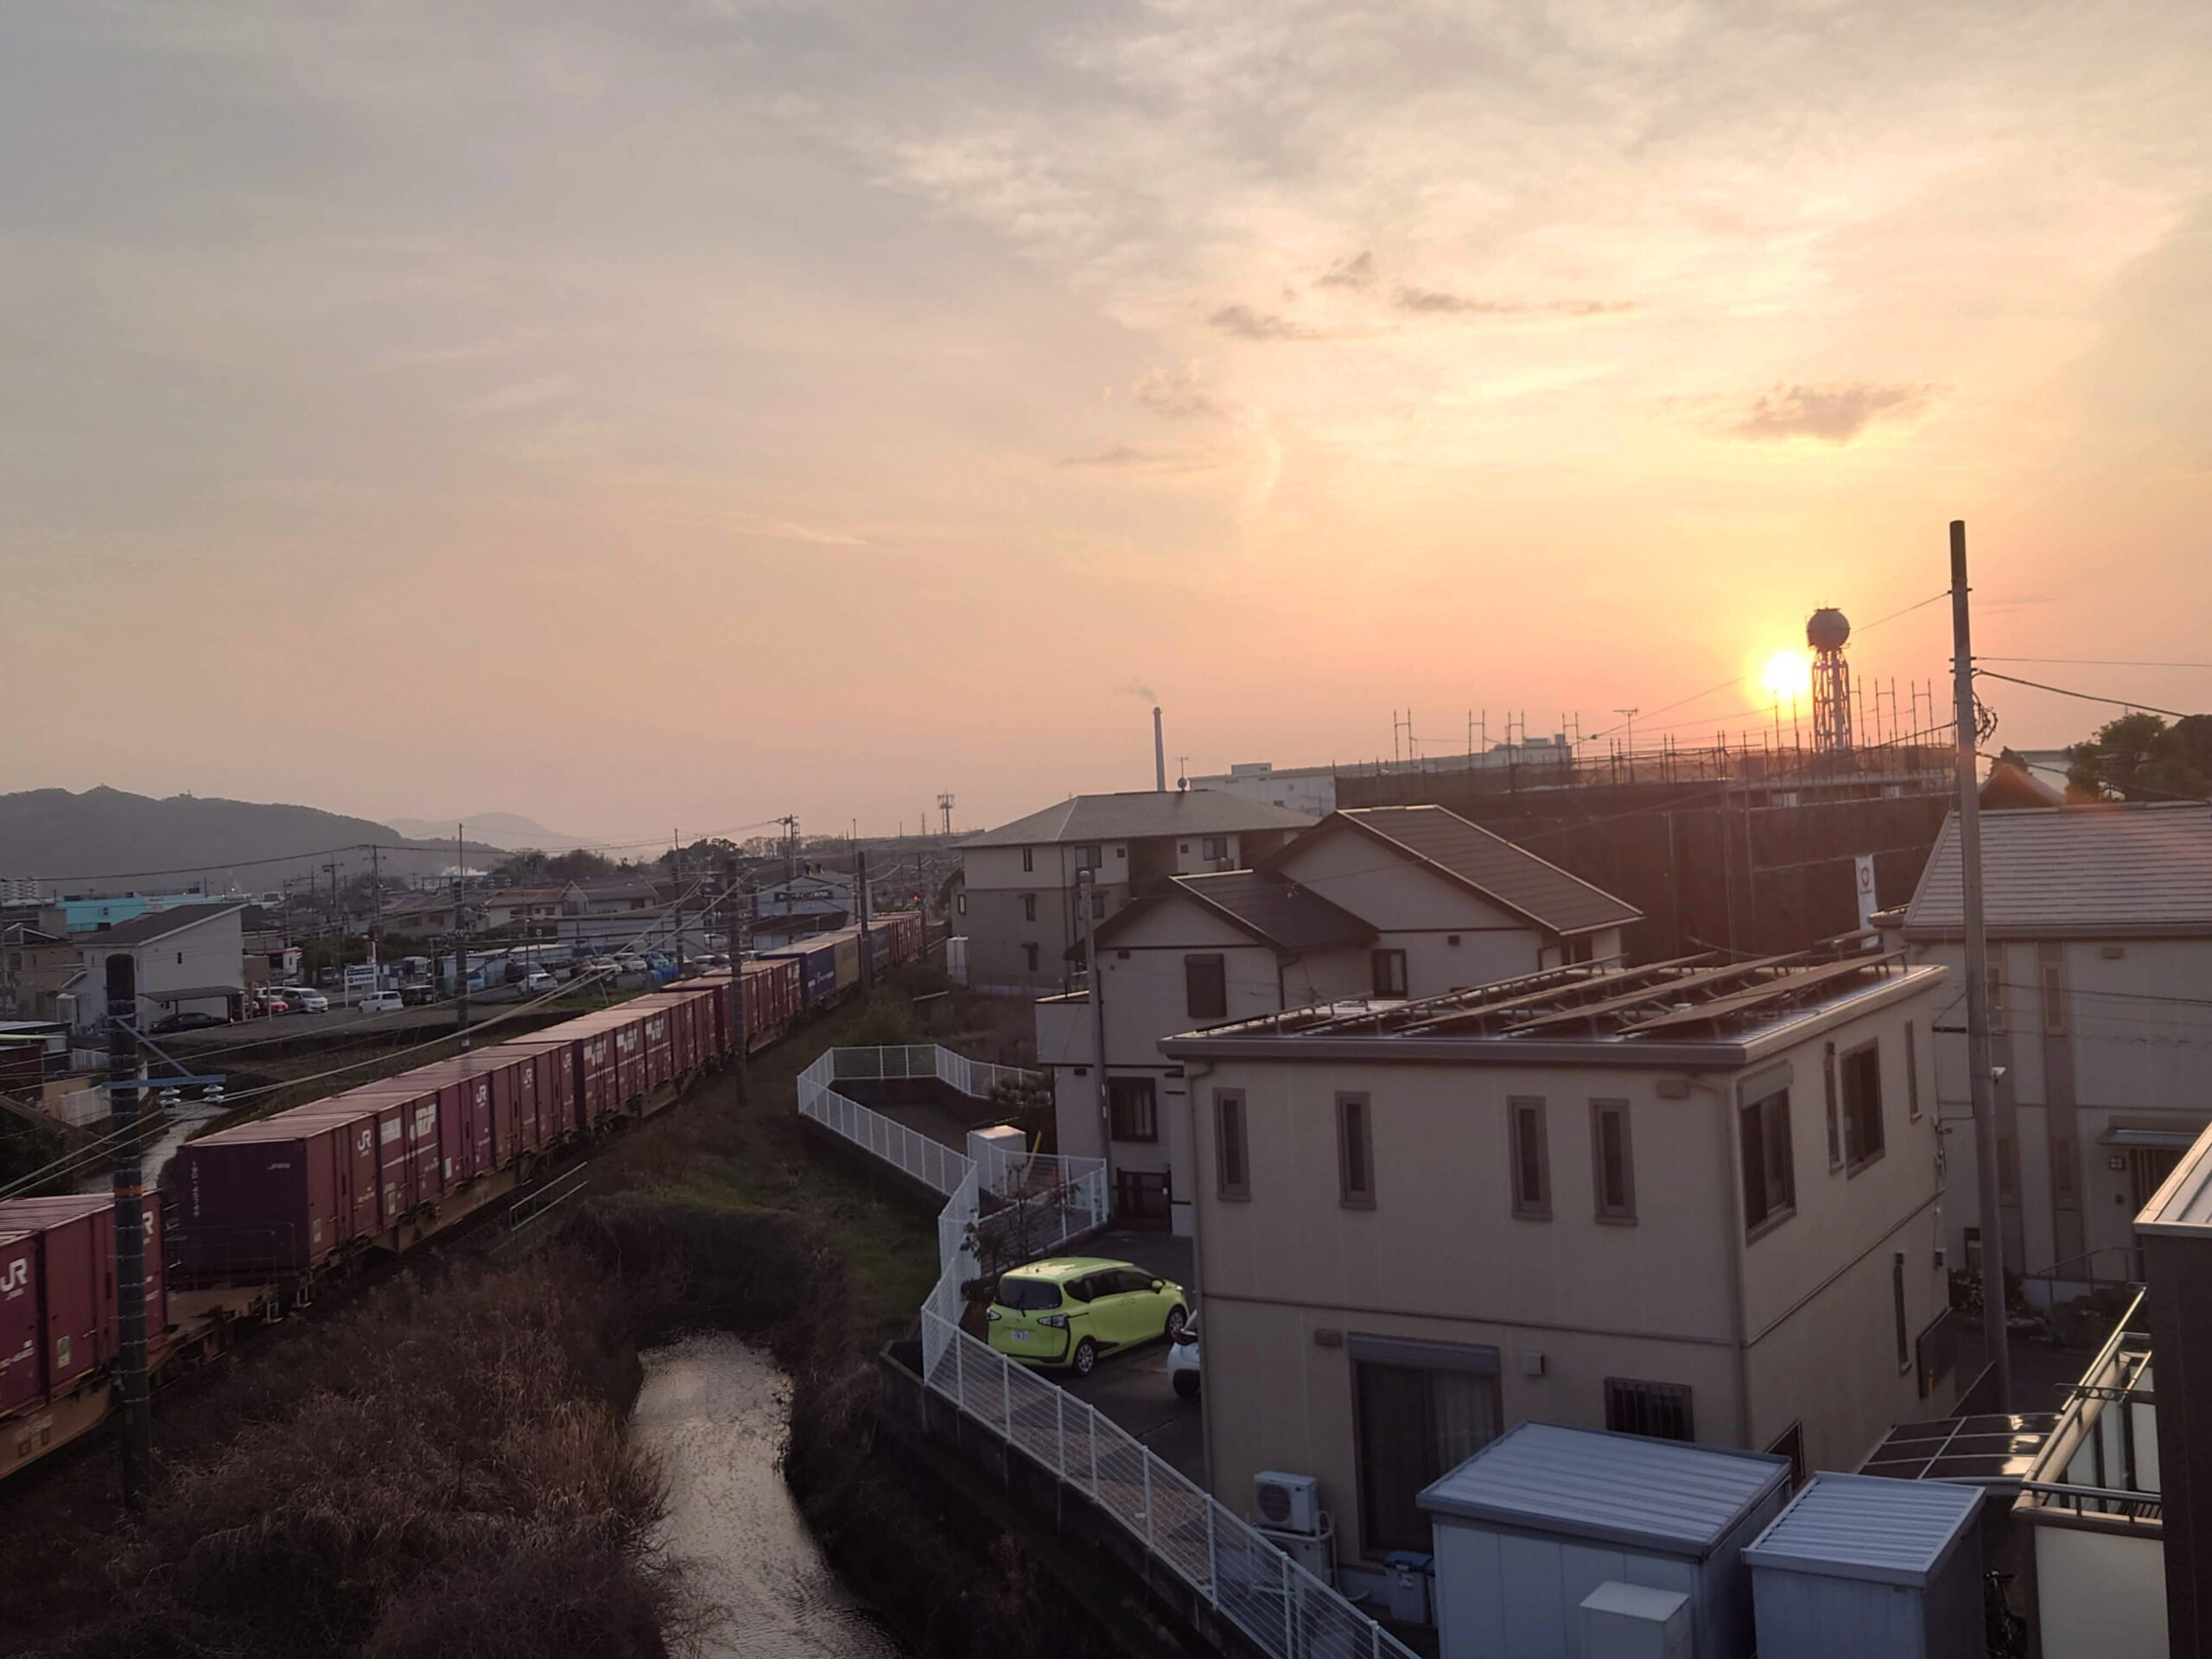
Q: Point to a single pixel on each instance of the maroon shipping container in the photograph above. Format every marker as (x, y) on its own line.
(57, 1288)
(382, 1170)
(274, 1196)
(568, 1100)
(626, 1032)
(774, 997)
(416, 1145)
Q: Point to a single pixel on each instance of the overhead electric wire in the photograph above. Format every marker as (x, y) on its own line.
(2093, 662)
(2086, 696)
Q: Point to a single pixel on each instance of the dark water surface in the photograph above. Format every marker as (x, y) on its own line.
(714, 1410)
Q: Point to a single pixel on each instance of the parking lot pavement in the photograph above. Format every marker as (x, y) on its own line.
(1132, 1388)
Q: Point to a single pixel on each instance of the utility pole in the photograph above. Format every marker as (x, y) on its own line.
(676, 865)
(1981, 1084)
(375, 910)
(1086, 884)
(736, 986)
(868, 945)
(459, 936)
(130, 1229)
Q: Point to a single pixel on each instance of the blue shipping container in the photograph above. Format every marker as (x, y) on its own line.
(817, 970)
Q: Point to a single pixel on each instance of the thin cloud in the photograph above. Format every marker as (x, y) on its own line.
(1247, 324)
(1124, 457)
(1437, 301)
(1356, 272)
(527, 394)
(1178, 396)
(1833, 414)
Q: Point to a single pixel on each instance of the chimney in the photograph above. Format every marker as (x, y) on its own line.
(1158, 755)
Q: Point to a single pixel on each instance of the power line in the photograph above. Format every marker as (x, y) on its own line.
(2094, 662)
(2086, 696)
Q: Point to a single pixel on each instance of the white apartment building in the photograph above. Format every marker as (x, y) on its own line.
(1387, 902)
(1693, 1201)
(2099, 925)
(1019, 886)
(190, 960)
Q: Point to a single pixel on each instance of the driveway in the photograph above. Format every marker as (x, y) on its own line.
(1132, 1388)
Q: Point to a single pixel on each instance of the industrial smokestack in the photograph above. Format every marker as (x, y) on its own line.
(1158, 755)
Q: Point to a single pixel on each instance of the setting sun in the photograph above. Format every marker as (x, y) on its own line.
(1789, 677)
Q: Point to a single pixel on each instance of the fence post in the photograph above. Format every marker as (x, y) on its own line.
(1060, 1430)
(1213, 1569)
(1006, 1393)
(1147, 1466)
(1092, 1412)
(959, 1373)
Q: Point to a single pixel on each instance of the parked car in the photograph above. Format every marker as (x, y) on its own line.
(1070, 1310)
(186, 1022)
(1183, 1361)
(383, 1002)
(304, 1001)
(416, 996)
(603, 965)
(634, 965)
(538, 982)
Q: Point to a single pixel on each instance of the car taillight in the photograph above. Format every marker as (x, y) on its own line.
(1057, 1321)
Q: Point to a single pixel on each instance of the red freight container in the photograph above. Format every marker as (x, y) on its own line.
(574, 1080)
(773, 998)
(68, 1268)
(21, 1387)
(626, 1030)
(271, 1196)
(415, 1144)
(361, 1123)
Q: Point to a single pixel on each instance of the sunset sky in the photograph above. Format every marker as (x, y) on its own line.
(666, 414)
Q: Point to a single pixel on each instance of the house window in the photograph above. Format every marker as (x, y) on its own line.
(1418, 1419)
(2054, 999)
(1028, 906)
(1205, 987)
(1098, 906)
(1232, 1168)
(1354, 1151)
(1389, 972)
(1912, 1070)
(1028, 859)
(1835, 1126)
(960, 904)
(1612, 1169)
(1029, 956)
(1214, 847)
(1532, 1174)
(1132, 1111)
(1769, 1176)
(1086, 858)
(1860, 1080)
(1659, 1409)
(1572, 951)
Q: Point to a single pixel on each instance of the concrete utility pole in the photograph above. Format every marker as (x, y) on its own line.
(1981, 1084)
(459, 936)
(376, 911)
(675, 867)
(737, 984)
(860, 900)
(1086, 883)
(130, 1229)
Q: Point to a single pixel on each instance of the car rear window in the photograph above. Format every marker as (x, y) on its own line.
(1028, 1295)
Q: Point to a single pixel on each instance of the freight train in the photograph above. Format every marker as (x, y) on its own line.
(257, 1218)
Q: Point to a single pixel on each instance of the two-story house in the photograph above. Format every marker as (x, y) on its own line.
(1692, 1201)
(2100, 927)
(1019, 895)
(1384, 902)
(189, 960)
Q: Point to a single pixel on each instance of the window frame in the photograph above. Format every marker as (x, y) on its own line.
(1029, 954)
(1623, 1215)
(1028, 906)
(1091, 855)
(1229, 1110)
(1767, 1109)
(1355, 1135)
(1526, 1126)
(1380, 957)
(1429, 1361)
(1117, 1111)
(1213, 847)
(1217, 962)
(1911, 1071)
(1029, 861)
(1633, 1396)
(1832, 1093)
(1866, 1060)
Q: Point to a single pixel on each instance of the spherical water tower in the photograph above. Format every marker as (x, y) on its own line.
(1827, 632)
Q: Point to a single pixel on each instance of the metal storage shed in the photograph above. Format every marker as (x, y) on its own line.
(1860, 1564)
(1527, 1528)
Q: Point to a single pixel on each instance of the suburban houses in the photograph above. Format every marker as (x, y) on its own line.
(1692, 1201)
(1382, 902)
(189, 960)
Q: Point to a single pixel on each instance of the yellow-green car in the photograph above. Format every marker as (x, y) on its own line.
(1070, 1310)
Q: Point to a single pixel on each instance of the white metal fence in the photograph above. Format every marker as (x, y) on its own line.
(1287, 1610)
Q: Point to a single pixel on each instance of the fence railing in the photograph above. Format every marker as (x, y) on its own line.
(1235, 1567)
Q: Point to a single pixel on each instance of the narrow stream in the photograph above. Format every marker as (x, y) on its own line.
(715, 1409)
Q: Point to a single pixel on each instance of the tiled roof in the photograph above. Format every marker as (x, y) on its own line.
(2132, 871)
(155, 925)
(1494, 867)
(1139, 815)
(1275, 912)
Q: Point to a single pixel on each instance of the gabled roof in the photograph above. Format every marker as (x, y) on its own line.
(156, 925)
(1139, 815)
(1274, 912)
(1490, 866)
(2103, 871)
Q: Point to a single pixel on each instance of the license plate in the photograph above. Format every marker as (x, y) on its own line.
(1019, 1336)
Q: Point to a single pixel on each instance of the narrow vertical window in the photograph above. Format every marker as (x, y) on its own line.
(1912, 1070)
(1205, 987)
(1861, 1082)
(1028, 906)
(1659, 1409)
(1232, 1169)
(1389, 972)
(1532, 1175)
(1354, 1151)
(1769, 1177)
(2054, 999)
(1028, 859)
(1611, 1158)
(1835, 1128)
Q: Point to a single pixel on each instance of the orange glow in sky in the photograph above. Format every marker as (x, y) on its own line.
(1789, 677)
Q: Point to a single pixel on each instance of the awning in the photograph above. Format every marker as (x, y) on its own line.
(2164, 1140)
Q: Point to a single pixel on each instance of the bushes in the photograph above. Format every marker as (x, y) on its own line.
(448, 1474)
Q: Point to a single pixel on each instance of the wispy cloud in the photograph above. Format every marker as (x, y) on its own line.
(1358, 272)
(527, 394)
(1436, 300)
(1832, 414)
(1125, 457)
(1178, 395)
(1245, 323)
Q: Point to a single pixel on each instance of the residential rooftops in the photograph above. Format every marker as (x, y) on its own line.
(156, 925)
(1274, 912)
(1688, 1011)
(2139, 870)
(1493, 867)
(1137, 815)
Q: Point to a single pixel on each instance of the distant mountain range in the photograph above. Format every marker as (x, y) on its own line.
(508, 830)
(108, 841)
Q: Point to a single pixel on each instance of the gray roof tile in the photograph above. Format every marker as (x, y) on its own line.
(1496, 868)
(1139, 814)
(2086, 872)
(1278, 912)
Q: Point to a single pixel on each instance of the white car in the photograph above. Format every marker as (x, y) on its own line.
(634, 965)
(538, 982)
(383, 1002)
(309, 1002)
(1183, 1361)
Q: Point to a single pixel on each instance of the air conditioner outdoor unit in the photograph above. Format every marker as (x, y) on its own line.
(1315, 1551)
(1288, 1502)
